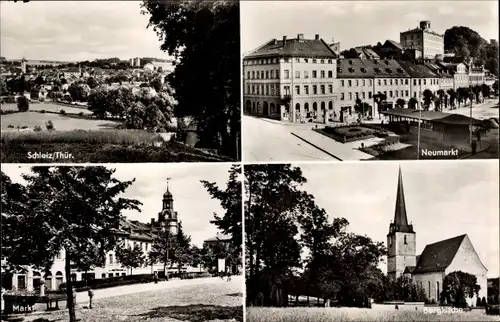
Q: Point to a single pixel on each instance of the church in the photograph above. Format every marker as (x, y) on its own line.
(436, 261)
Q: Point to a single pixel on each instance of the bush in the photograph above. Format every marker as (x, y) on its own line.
(37, 128)
(23, 104)
(42, 111)
(10, 126)
(109, 282)
(81, 113)
(62, 112)
(49, 125)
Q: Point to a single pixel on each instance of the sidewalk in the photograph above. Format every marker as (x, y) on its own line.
(340, 151)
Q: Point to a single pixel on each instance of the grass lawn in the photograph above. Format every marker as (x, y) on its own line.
(49, 107)
(259, 314)
(193, 303)
(61, 122)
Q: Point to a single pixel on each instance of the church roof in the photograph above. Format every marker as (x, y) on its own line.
(438, 256)
(409, 270)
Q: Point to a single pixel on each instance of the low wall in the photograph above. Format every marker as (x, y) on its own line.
(391, 306)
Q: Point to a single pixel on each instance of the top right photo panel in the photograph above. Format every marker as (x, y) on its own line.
(369, 80)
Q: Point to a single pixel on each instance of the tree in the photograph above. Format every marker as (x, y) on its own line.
(457, 286)
(135, 116)
(379, 99)
(272, 203)
(23, 105)
(162, 249)
(92, 82)
(156, 84)
(197, 32)
(196, 257)
(79, 92)
(428, 98)
(3, 87)
(97, 101)
(130, 257)
(453, 97)
(181, 248)
(400, 103)
(230, 223)
(79, 209)
(39, 81)
(362, 108)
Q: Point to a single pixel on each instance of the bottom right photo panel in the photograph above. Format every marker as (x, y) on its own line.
(385, 241)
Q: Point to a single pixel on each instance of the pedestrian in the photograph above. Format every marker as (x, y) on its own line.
(229, 276)
(155, 277)
(91, 295)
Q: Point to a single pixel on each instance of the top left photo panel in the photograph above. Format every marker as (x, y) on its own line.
(120, 81)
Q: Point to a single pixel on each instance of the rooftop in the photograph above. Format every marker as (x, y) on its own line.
(434, 116)
(295, 47)
(438, 256)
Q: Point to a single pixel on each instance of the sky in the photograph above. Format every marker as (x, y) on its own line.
(191, 200)
(76, 30)
(444, 199)
(357, 23)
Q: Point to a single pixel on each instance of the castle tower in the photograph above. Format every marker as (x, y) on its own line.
(23, 65)
(168, 216)
(401, 239)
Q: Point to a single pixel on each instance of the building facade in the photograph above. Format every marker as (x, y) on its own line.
(132, 234)
(290, 79)
(423, 39)
(437, 260)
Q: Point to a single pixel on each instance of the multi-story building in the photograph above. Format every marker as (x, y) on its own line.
(445, 76)
(290, 79)
(132, 234)
(476, 74)
(459, 72)
(362, 79)
(422, 78)
(423, 39)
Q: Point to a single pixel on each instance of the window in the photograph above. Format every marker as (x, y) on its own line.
(272, 89)
(414, 82)
(306, 60)
(248, 89)
(258, 89)
(342, 83)
(402, 93)
(306, 89)
(267, 89)
(350, 96)
(425, 82)
(349, 83)
(286, 60)
(297, 74)
(419, 82)
(357, 95)
(379, 82)
(330, 61)
(315, 89)
(395, 82)
(286, 89)
(103, 275)
(287, 73)
(390, 93)
(369, 94)
(369, 82)
(330, 74)
(248, 75)
(406, 81)
(267, 74)
(306, 74)
(262, 74)
(341, 96)
(322, 89)
(357, 82)
(363, 95)
(322, 61)
(330, 89)
(272, 73)
(297, 60)
(257, 75)
(110, 259)
(385, 82)
(385, 93)
(314, 61)
(315, 74)
(363, 82)
(59, 255)
(253, 89)
(322, 74)
(277, 73)
(297, 90)
(253, 74)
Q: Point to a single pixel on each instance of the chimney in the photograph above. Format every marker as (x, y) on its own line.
(284, 41)
(300, 37)
(316, 37)
(152, 221)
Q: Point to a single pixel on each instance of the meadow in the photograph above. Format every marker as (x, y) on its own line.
(260, 314)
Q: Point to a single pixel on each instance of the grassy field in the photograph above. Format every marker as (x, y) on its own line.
(195, 303)
(47, 106)
(254, 314)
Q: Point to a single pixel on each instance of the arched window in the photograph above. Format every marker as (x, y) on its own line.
(306, 107)
(323, 106)
(315, 106)
(297, 107)
(330, 105)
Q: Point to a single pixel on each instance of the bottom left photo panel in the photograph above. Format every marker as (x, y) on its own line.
(122, 242)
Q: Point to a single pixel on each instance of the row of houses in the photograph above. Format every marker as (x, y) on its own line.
(306, 79)
(131, 234)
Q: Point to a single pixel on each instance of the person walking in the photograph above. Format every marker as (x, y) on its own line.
(228, 276)
(91, 295)
(155, 277)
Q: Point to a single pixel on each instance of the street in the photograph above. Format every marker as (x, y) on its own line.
(268, 140)
(482, 111)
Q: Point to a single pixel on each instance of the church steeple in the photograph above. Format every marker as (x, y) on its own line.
(167, 215)
(400, 223)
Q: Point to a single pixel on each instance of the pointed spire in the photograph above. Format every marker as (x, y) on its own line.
(400, 223)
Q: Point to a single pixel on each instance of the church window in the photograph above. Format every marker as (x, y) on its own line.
(429, 284)
(405, 239)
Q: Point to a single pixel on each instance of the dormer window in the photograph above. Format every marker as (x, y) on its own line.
(350, 62)
(389, 70)
(363, 70)
(400, 70)
(377, 70)
(351, 70)
(339, 70)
